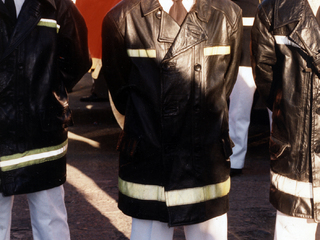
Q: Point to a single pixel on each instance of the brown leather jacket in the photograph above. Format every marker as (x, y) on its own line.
(285, 48)
(46, 53)
(172, 84)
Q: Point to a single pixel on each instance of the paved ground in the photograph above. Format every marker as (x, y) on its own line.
(91, 188)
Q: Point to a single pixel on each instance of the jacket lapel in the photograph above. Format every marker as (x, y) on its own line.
(149, 6)
(191, 33)
(182, 38)
(28, 18)
(3, 9)
(168, 28)
(306, 33)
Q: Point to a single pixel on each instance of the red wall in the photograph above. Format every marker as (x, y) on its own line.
(93, 12)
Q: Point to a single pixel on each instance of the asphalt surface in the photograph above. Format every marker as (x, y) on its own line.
(91, 187)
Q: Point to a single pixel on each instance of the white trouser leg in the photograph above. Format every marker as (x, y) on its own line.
(241, 100)
(293, 228)
(6, 204)
(48, 214)
(150, 230)
(213, 229)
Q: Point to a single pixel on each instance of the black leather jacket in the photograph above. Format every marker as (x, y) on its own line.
(285, 48)
(46, 53)
(172, 85)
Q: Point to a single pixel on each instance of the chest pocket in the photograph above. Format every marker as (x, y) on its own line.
(50, 23)
(217, 50)
(142, 53)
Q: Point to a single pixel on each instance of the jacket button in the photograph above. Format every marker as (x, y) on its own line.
(158, 14)
(197, 67)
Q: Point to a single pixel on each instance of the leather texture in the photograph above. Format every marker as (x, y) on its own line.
(285, 48)
(172, 84)
(46, 53)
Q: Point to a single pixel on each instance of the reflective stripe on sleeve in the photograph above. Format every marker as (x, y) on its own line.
(51, 23)
(175, 197)
(291, 186)
(217, 50)
(280, 39)
(247, 21)
(142, 53)
(33, 157)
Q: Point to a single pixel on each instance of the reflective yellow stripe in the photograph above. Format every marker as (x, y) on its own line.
(175, 197)
(197, 195)
(141, 191)
(217, 50)
(291, 186)
(280, 39)
(51, 23)
(247, 21)
(33, 157)
(142, 53)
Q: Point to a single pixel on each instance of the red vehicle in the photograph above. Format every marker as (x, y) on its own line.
(93, 12)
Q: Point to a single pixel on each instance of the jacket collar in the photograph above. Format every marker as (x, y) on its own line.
(306, 33)
(51, 2)
(28, 18)
(171, 32)
(192, 28)
(3, 9)
(296, 8)
(201, 7)
(149, 6)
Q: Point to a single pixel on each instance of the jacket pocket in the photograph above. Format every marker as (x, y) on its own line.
(55, 119)
(227, 145)
(277, 148)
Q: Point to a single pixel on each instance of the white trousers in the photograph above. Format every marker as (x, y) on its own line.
(241, 100)
(47, 211)
(293, 228)
(213, 229)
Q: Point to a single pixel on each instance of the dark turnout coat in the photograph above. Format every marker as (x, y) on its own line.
(285, 47)
(172, 84)
(42, 54)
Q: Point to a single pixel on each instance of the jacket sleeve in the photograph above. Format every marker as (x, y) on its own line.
(236, 46)
(116, 64)
(263, 57)
(73, 54)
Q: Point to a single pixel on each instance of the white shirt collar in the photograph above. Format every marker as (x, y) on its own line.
(166, 4)
(314, 4)
(18, 4)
